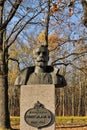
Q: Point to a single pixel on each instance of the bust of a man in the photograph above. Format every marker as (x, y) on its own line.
(41, 73)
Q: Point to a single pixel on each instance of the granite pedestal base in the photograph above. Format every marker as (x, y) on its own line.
(30, 94)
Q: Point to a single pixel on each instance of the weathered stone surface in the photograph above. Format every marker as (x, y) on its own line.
(30, 94)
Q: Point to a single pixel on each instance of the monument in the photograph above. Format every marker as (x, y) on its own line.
(37, 109)
(41, 73)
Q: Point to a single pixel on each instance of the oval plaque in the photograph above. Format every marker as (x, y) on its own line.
(38, 116)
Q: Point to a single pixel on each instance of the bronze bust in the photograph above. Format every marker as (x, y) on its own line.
(41, 73)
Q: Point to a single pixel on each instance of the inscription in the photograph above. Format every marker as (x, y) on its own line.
(38, 116)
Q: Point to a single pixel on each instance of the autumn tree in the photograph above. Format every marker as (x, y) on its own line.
(4, 113)
(12, 22)
(70, 50)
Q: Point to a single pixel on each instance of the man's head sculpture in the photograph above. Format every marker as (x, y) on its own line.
(41, 56)
(41, 73)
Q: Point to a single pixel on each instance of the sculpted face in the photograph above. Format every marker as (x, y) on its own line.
(41, 56)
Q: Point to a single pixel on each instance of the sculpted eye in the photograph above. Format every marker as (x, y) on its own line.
(44, 53)
(38, 53)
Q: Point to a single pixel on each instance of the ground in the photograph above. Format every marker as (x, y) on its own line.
(85, 128)
(62, 123)
(16, 127)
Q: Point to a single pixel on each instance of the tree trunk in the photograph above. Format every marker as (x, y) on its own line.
(2, 97)
(1, 18)
(79, 99)
(72, 101)
(86, 101)
(4, 113)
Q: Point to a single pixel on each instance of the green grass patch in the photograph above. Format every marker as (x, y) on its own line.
(77, 120)
(15, 120)
(60, 120)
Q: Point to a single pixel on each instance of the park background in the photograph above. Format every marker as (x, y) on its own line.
(26, 24)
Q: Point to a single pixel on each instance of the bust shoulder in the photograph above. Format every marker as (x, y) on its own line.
(23, 76)
(58, 79)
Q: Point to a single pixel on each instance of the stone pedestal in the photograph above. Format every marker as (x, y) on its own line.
(30, 94)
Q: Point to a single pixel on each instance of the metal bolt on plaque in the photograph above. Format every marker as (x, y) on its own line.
(38, 116)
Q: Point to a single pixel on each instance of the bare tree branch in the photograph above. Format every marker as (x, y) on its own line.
(65, 41)
(13, 30)
(13, 59)
(11, 14)
(22, 27)
(1, 19)
(2, 2)
(69, 56)
(74, 66)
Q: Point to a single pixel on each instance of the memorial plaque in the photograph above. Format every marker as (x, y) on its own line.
(38, 116)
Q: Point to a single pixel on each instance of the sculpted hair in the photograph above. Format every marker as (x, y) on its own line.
(41, 46)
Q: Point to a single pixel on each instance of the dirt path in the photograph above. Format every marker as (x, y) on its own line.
(83, 128)
(77, 128)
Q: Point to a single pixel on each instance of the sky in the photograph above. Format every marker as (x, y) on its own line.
(64, 25)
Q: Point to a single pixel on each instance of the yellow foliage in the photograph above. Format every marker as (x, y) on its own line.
(41, 37)
(12, 75)
(13, 51)
(53, 39)
(55, 8)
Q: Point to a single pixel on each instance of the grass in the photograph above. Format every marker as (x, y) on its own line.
(15, 119)
(74, 120)
(15, 122)
(60, 121)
